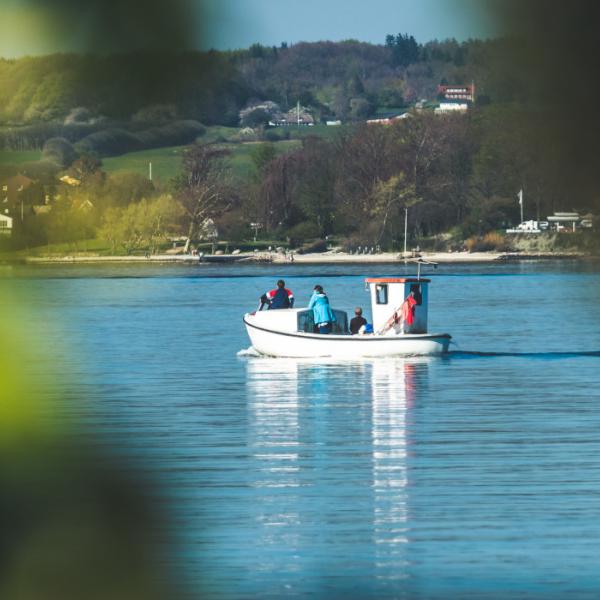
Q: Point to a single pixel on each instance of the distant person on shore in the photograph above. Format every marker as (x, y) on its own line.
(322, 314)
(280, 297)
(358, 321)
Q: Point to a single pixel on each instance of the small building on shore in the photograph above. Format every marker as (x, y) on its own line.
(296, 116)
(6, 225)
(389, 120)
(18, 194)
(455, 99)
(570, 221)
(559, 222)
(13, 186)
(457, 93)
(451, 108)
(529, 227)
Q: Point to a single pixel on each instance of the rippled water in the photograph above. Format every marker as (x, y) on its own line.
(476, 475)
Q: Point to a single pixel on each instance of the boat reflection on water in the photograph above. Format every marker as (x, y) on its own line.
(396, 386)
(329, 444)
(273, 420)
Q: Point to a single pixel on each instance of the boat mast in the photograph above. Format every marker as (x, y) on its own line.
(421, 261)
(405, 230)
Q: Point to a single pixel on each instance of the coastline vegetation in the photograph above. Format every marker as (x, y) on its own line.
(84, 130)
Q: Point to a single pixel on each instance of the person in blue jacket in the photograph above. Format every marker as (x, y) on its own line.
(322, 313)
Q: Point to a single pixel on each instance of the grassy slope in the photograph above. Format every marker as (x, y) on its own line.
(166, 162)
(318, 130)
(19, 157)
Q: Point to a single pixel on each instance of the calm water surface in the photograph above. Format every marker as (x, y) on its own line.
(471, 476)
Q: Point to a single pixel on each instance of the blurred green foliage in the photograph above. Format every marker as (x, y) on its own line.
(75, 523)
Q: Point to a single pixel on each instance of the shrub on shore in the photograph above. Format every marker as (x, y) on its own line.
(312, 247)
(489, 242)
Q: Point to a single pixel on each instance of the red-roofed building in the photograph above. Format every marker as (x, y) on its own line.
(457, 93)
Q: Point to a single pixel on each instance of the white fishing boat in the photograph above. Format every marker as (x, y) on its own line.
(398, 330)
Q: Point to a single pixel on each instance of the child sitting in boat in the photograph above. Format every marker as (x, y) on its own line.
(357, 322)
(322, 314)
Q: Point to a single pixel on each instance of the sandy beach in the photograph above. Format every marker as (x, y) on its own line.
(393, 257)
(316, 258)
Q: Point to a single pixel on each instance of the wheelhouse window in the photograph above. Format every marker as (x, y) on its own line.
(381, 293)
(306, 321)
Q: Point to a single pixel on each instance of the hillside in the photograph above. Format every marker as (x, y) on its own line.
(212, 87)
(83, 130)
(166, 162)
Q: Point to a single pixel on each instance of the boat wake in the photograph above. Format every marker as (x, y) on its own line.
(464, 354)
(543, 355)
(250, 351)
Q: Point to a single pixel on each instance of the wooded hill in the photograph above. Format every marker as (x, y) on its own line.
(459, 174)
(212, 87)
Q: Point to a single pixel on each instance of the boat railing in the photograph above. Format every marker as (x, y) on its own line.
(395, 319)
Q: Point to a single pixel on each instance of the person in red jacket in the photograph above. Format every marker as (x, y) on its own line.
(408, 311)
(280, 297)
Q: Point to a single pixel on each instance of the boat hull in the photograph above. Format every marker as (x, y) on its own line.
(307, 345)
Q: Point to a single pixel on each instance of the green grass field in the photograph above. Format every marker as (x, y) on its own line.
(241, 155)
(166, 162)
(18, 157)
(325, 131)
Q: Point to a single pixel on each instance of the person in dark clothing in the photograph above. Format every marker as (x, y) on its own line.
(280, 297)
(358, 321)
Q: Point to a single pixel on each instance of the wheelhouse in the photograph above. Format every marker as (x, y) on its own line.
(389, 293)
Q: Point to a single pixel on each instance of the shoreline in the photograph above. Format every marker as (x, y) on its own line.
(323, 258)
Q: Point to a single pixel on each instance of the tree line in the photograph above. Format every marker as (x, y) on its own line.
(211, 87)
(457, 176)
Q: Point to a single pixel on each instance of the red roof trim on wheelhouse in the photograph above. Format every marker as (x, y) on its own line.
(396, 280)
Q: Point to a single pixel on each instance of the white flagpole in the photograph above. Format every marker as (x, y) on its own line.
(520, 194)
(405, 230)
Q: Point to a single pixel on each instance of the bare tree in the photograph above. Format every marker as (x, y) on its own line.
(390, 198)
(204, 188)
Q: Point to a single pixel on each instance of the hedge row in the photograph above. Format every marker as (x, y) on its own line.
(115, 141)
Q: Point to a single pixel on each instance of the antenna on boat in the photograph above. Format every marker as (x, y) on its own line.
(421, 261)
